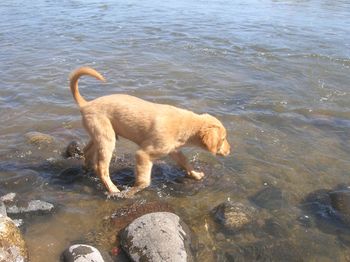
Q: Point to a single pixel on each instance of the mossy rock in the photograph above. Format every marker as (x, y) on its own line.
(37, 138)
(12, 245)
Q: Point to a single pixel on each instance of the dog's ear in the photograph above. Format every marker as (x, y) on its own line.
(210, 138)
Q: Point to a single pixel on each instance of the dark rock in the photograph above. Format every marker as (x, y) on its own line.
(157, 236)
(274, 228)
(331, 208)
(270, 198)
(68, 176)
(82, 253)
(73, 150)
(340, 201)
(12, 245)
(33, 207)
(234, 216)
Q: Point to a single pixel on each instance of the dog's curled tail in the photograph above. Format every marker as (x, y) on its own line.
(74, 78)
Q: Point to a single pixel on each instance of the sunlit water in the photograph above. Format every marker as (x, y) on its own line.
(276, 73)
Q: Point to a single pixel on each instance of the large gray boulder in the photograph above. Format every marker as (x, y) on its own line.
(160, 236)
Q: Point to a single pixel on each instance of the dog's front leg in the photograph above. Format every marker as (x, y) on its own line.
(182, 161)
(143, 169)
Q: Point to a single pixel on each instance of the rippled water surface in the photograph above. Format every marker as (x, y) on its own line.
(276, 73)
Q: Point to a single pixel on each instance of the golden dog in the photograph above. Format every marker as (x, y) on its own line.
(157, 129)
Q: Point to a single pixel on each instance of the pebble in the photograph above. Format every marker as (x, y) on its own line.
(82, 253)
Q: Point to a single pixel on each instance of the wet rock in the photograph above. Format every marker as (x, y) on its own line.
(270, 198)
(234, 216)
(157, 236)
(73, 150)
(82, 253)
(274, 228)
(37, 138)
(12, 245)
(125, 215)
(18, 222)
(340, 201)
(305, 221)
(8, 198)
(33, 207)
(71, 175)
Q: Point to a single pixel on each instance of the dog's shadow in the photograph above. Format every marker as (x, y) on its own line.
(166, 179)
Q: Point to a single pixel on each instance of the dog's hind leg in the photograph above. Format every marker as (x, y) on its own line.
(90, 156)
(104, 154)
(101, 149)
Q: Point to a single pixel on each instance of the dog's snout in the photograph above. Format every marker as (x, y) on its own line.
(225, 149)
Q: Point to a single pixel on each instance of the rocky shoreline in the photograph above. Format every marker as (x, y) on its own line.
(152, 230)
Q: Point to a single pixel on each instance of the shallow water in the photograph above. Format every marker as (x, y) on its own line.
(276, 73)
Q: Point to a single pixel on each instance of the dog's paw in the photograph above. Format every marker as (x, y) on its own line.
(196, 175)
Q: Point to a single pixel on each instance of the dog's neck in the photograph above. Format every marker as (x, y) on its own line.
(193, 134)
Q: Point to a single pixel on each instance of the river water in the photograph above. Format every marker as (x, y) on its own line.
(276, 73)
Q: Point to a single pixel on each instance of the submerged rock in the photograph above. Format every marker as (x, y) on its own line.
(340, 201)
(82, 253)
(21, 181)
(270, 198)
(37, 138)
(33, 207)
(270, 250)
(234, 216)
(12, 245)
(330, 208)
(156, 237)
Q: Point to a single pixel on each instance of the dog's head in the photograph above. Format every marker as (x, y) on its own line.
(214, 137)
